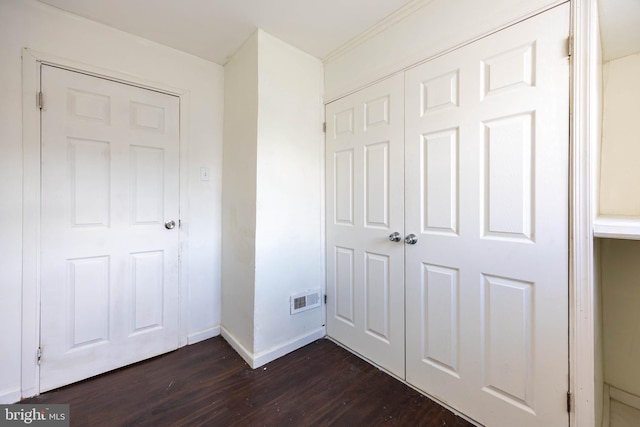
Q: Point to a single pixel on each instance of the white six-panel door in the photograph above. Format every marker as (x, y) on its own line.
(487, 144)
(365, 197)
(485, 188)
(109, 266)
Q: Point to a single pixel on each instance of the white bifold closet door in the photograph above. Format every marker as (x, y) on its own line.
(365, 204)
(486, 194)
(109, 251)
(487, 146)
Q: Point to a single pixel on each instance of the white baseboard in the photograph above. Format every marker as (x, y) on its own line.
(10, 395)
(203, 335)
(610, 394)
(264, 357)
(272, 354)
(239, 348)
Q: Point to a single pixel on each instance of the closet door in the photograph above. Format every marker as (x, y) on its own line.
(365, 198)
(487, 143)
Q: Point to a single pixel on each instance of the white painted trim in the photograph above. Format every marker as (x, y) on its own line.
(30, 374)
(272, 354)
(584, 143)
(323, 212)
(606, 412)
(183, 263)
(31, 63)
(405, 11)
(10, 395)
(264, 357)
(196, 337)
(117, 76)
(617, 227)
(419, 58)
(385, 77)
(408, 9)
(624, 397)
(235, 344)
(612, 393)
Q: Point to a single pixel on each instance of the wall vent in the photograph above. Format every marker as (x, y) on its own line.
(304, 301)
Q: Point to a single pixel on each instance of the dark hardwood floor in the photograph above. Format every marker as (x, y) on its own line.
(208, 384)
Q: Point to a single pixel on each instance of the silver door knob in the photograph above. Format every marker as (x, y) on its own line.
(411, 239)
(395, 236)
(170, 224)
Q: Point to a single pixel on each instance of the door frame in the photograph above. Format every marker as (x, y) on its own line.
(585, 371)
(31, 142)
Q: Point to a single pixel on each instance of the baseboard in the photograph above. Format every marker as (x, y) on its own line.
(239, 348)
(203, 335)
(272, 354)
(264, 357)
(10, 395)
(629, 400)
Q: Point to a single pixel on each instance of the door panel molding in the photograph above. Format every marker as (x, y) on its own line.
(364, 204)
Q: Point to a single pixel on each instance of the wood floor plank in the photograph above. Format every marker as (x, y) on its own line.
(208, 384)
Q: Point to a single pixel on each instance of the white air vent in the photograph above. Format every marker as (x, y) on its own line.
(305, 301)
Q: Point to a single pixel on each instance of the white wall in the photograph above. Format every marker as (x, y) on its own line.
(272, 219)
(620, 196)
(288, 229)
(436, 27)
(620, 154)
(26, 23)
(239, 195)
(620, 275)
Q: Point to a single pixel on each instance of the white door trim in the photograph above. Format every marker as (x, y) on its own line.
(585, 136)
(30, 331)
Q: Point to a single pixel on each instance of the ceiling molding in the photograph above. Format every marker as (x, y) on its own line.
(397, 16)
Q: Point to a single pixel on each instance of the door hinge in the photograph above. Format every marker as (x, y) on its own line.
(570, 46)
(324, 127)
(39, 355)
(39, 100)
(569, 401)
(325, 298)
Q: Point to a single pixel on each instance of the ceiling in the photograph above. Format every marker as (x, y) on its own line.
(619, 27)
(215, 29)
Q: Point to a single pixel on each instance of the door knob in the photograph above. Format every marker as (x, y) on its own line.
(169, 224)
(395, 236)
(411, 239)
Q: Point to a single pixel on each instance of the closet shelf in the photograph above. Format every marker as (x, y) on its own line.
(617, 227)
